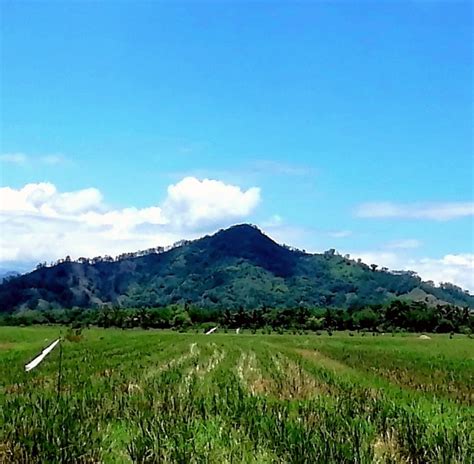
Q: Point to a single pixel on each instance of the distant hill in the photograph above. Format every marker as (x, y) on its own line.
(234, 268)
(8, 274)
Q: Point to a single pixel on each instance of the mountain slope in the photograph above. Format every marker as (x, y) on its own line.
(237, 267)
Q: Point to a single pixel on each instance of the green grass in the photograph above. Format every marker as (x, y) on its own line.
(151, 396)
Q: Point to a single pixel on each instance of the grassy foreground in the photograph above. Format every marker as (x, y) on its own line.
(150, 396)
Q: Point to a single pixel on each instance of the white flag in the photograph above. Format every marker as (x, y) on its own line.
(44, 353)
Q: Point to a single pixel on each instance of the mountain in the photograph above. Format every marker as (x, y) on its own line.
(7, 275)
(236, 267)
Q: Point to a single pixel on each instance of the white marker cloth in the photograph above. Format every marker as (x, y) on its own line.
(44, 353)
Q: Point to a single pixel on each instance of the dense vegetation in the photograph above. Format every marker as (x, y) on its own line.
(236, 268)
(151, 396)
(395, 316)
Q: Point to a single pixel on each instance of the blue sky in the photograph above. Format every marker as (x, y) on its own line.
(329, 124)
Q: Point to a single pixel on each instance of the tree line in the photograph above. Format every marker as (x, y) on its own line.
(397, 316)
(110, 259)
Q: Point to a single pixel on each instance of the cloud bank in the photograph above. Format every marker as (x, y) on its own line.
(24, 160)
(454, 268)
(431, 211)
(39, 223)
(14, 158)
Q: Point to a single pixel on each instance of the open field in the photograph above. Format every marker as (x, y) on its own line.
(151, 396)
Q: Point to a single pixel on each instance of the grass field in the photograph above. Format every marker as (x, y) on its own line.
(150, 396)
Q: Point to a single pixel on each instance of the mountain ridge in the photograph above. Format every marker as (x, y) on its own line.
(239, 267)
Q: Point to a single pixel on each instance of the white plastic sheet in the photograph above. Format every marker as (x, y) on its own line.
(44, 353)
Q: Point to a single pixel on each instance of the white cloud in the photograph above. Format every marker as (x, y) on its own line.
(454, 268)
(14, 158)
(22, 159)
(433, 211)
(405, 244)
(458, 269)
(44, 199)
(38, 222)
(192, 203)
(53, 160)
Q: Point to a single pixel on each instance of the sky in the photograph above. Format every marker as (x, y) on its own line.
(348, 125)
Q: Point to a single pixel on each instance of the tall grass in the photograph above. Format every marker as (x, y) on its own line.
(153, 397)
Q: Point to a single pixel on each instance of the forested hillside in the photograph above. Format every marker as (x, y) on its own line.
(236, 268)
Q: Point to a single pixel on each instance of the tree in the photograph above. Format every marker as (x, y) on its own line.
(315, 323)
(366, 319)
(396, 314)
(181, 319)
(445, 326)
(329, 318)
(105, 317)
